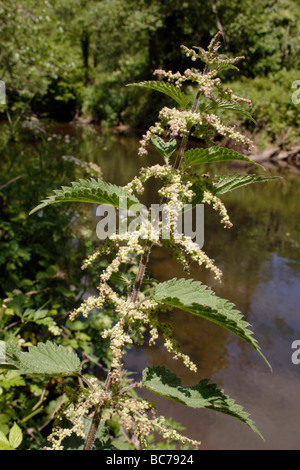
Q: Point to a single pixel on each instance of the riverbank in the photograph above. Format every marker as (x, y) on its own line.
(289, 153)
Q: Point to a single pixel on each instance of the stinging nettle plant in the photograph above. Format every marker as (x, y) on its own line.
(97, 402)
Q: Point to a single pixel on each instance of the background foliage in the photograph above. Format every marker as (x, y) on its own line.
(65, 59)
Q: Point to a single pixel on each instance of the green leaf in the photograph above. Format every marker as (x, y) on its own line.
(196, 298)
(166, 149)
(40, 317)
(93, 191)
(167, 88)
(17, 304)
(203, 395)
(4, 363)
(47, 359)
(223, 184)
(227, 183)
(4, 446)
(123, 278)
(15, 436)
(4, 443)
(4, 419)
(3, 439)
(213, 106)
(221, 66)
(197, 156)
(10, 378)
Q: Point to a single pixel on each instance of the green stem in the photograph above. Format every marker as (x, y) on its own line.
(31, 415)
(90, 439)
(1, 314)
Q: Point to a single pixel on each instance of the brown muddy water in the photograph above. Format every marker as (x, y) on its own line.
(260, 260)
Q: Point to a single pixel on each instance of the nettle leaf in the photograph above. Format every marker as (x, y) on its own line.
(196, 298)
(227, 183)
(167, 88)
(17, 304)
(47, 359)
(93, 191)
(15, 436)
(11, 378)
(213, 106)
(197, 156)
(166, 149)
(224, 184)
(4, 362)
(40, 317)
(4, 442)
(221, 66)
(165, 383)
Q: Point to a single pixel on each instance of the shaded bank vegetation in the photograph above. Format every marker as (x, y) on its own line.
(66, 60)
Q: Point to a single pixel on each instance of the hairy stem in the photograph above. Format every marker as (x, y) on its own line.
(90, 439)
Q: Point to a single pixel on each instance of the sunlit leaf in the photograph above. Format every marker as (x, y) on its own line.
(167, 88)
(165, 383)
(166, 149)
(197, 156)
(4, 443)
(215, 106)
(15, 436)
(93, 191)
(196, 298)
(47, 359)
(228, 183)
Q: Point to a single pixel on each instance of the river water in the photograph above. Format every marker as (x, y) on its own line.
(260, 260)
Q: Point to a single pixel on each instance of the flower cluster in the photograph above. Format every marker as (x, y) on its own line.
(179, 122)
(106, 248)
(176, 190)
(218, 205)
(230, 96)
(129, 314)
(156, 171)
(224, 130)
(139, 417)
(193, 54)
(118, 340)
(205, 81)
(175, 122)
(177, 77)
(75, 411)
(197, 255)
(211, 57)
(156, 129)
(89, 304)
